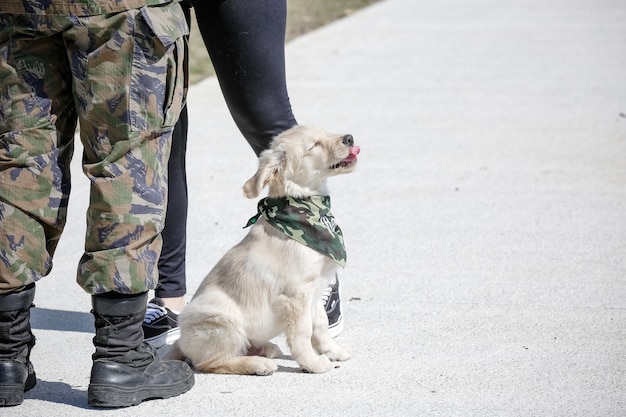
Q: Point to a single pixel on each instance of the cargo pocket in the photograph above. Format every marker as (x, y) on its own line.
(157, 80)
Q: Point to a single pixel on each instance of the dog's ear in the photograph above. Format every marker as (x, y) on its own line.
(271, 166)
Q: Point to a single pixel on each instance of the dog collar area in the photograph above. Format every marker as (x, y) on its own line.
(307, 220)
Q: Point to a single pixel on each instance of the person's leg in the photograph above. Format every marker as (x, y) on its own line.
(37, 125)
(17, 374)
(172, 285)
(160, 324)
(126, 146)
(246, 42)
(34, 168)
(127, 371)
(125, 158)
(172, 279)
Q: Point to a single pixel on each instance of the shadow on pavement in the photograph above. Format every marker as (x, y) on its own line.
(58, 392)
(71, 321)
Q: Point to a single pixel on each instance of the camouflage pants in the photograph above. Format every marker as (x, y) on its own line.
(120, 75)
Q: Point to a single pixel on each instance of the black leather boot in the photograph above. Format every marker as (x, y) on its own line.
(127, 371)
(17, 374)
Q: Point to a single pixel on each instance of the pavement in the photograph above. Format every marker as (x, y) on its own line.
(485, 224)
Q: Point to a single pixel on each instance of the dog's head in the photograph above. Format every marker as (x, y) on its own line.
(300, 160)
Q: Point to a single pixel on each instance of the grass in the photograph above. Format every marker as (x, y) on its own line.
(302, 16)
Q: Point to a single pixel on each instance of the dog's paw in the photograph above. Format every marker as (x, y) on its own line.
(271, 350)
(264, 366)
(340, 353)
(319, 365)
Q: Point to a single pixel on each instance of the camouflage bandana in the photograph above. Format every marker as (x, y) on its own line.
(307, 220)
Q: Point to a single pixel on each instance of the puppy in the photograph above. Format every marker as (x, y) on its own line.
(272, 281)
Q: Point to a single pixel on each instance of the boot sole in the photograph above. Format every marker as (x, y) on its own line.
(13, 394)
(111, 396)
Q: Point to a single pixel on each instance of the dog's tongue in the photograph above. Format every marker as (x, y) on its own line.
(354, 151)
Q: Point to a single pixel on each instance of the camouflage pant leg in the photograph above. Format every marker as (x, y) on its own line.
(37, 124)
(126, 134)
(128, 89)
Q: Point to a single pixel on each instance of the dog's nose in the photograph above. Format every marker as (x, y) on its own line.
(348, 140)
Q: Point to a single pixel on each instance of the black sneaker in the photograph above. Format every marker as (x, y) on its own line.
(160, 325)
(332, 305)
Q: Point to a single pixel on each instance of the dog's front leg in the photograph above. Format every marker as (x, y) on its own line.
(321, 339)
(295, 313)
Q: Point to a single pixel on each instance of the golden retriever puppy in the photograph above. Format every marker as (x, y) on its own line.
(272, 281)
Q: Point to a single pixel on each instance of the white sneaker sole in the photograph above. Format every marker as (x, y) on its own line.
(165, 339)
(336, 328)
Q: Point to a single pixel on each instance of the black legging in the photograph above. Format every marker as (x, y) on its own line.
(246, 42)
